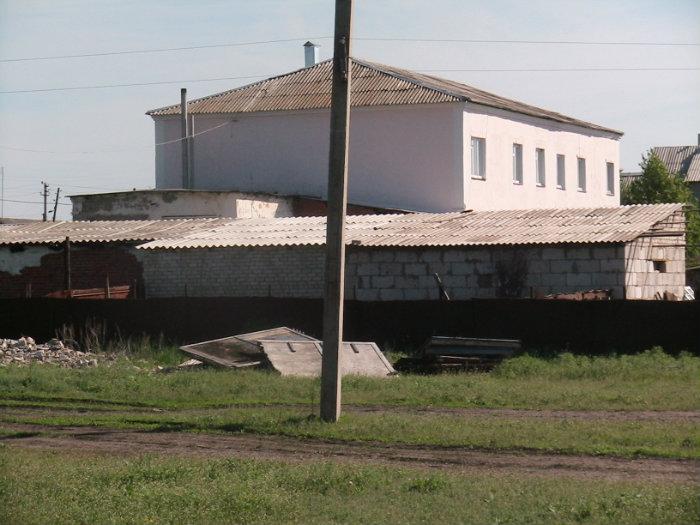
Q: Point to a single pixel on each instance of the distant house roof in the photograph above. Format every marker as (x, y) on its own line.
(482, 228)
(628, 177)
(684, 160)
(372, 85)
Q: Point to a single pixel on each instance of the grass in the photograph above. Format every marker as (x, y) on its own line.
(43, 487)
(563, 436)
(652, 380)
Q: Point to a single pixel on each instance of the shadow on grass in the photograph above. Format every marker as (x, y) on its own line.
(19, 435)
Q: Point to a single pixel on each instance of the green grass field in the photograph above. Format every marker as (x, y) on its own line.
(64, 487)
(57, 488)
(649, 381)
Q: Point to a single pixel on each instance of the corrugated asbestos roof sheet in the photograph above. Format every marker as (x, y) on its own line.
(372, 85)
(101, 231)
(506, 227)
(684, 160)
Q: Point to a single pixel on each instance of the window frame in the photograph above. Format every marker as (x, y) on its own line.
(540, 167)
(480, 158)
(561, 171)
(610, 178)
(581, 161)
(517, 164)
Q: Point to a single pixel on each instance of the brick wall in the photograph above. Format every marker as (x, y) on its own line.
(39, 270)
(383, 274)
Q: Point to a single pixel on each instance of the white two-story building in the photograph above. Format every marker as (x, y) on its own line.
(417, 142)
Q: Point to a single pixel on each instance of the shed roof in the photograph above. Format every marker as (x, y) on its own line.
(101, 231)
(373, 84)
(482, 228)
(684, 160)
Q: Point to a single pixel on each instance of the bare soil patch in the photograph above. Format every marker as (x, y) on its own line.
(126, 442)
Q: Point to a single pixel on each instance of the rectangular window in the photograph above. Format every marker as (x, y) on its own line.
(611, 177)
(561, 172)
(539, 166)
(478, 158)
(517, 163)
(581, 174)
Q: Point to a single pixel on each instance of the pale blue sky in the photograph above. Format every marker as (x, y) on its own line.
(652, 108)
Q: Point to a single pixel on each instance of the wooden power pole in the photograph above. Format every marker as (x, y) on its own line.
(335, 226)
(55, 204)
(45, 195)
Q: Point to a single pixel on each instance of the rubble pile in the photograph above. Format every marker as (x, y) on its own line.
(25, 350)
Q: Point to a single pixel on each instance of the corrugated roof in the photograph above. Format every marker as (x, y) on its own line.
(506, 227)
(684, 160)
(372, 85)
(101, 231)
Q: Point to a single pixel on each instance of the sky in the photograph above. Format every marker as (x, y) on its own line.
(93, 140)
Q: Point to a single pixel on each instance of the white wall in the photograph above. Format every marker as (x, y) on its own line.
(407, 157)
(149, 204)
(502, 128)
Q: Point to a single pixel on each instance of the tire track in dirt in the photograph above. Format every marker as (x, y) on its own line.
(254, 446)
(669, 416)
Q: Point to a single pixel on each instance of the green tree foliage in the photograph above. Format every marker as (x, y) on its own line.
(655, 186)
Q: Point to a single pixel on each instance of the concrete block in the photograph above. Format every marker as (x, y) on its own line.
(415, 294)
(483, 267)
(415, 269)
(454, 256)
(578, 279)
(382, 256)
(561, 266)
(461, 268)
(484, 280)
(552, 253)
(578, 253)
(454, 281)
(390, 268)
(409, 282)
(391, 294)
(359, 256)
(460, 294)
(427, 282)
(367, 295)
(538, 266)
(368, 269)
(405, 256)
(587, 265)
(657, 253)
(382, 281)
(430, 256)
(604, 252)
(611, 265)
(440, 268)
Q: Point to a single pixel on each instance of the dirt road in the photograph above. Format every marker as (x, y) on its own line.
(126, 442)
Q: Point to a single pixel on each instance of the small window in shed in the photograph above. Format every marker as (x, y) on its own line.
(660, 266)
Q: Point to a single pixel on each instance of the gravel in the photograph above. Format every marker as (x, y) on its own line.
(25, 351)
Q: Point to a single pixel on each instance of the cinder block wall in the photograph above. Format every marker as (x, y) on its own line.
(384, 274)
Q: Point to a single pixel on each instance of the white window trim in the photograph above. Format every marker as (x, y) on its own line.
(561, 186)
(519, 180)
(481, 176)
(543, 183)
(610, 191)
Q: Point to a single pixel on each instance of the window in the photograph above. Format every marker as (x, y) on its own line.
(660, 266)
(611, 177)
(561, 172)
(517, 163)
(539, 166)
(581, 174)
(478, 158)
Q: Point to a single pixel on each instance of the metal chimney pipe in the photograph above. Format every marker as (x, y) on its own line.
(310, 54)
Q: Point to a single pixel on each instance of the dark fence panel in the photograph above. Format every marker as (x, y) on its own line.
(591, 327)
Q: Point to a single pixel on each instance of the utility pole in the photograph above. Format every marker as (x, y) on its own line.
(55, 204)
(184, 142)
(45, 195)
(335, 226)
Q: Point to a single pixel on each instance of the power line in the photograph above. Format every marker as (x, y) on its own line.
(30, 202)
(157, 144)
(471, 70)
(366, 39)
(160, 50)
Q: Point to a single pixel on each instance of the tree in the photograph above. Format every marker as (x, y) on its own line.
(655, 186)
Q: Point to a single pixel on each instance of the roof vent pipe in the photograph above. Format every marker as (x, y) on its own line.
(310, 54)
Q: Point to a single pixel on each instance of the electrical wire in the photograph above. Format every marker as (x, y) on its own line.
(472, 70)
(30, 202)
(365, 39)
(157, 144)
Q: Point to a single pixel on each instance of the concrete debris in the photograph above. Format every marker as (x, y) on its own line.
(25, 351)
(288, 352)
